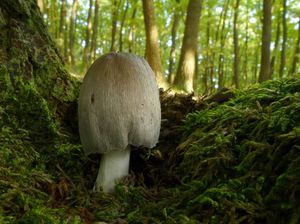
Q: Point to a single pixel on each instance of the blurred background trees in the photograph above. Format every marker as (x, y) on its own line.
(229, 43)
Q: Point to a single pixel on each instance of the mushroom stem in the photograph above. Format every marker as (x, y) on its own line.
(113, 166)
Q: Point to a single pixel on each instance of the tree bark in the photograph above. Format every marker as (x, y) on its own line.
(187, 63)
(27, 52)
(265, 71)
(72, 33)
(236, 64)
(173, 44)
(284, 39)
(152, 46)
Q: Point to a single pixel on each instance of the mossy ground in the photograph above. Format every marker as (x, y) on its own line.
(236, 162)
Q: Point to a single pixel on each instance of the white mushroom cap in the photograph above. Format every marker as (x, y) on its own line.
(118, 104)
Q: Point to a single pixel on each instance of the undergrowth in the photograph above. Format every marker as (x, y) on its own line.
(238, 162)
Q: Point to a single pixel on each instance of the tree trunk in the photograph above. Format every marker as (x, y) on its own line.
(122, 25)
(27, 52)
(236, 64)
(273, 59)
(245, 60)
(173, 45)
(95, 31)
(208, 62)
(222, 43)
(62, 26)
(152, 47)
(255, 66)
(88, 31)
(131, 28)
(265, 70)
(115, 13)
(72, 33)
(284, 39)
(296, 54)
(187, 63)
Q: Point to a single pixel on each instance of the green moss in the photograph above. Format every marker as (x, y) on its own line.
(237, 162)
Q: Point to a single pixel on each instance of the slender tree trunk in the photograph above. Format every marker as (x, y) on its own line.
(131, 28)
(173, 45)
(50, 9)
(122, 25)
(72, 33)
(66, 42)
(265, 70)
(245, 62)
(88, 32)
(95, 31)
(273, 59)
(62, 26)
(152, 47)
(284, 39)
(222, 43)
(296, 54)
(207, 59)
(236, 63)
(115, 13)
(55, 19)
(255, 66)
(187, 63)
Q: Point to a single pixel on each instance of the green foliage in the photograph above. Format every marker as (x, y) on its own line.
(246, 151)
(238, 162)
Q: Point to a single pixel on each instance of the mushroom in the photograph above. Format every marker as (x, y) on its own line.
(118, 107)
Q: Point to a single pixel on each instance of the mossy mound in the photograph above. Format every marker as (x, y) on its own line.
(236, 162)
(240, 160)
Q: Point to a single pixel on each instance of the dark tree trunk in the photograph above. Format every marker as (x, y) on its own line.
(265, 70)
(236, 63)
(187, 63)
(284, 39)
(27, 52)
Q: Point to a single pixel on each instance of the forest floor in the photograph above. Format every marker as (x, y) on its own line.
(233, 157)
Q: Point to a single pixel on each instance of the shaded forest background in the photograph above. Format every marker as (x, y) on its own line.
(230, 42)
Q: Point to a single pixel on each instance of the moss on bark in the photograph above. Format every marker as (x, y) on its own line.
(28, 53)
